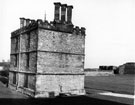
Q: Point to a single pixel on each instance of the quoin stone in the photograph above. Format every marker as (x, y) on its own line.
(47, 58)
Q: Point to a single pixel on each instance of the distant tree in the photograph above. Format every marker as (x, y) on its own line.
(3, 60)
(5, 71)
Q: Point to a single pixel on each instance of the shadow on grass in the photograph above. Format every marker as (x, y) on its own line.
(78, 100)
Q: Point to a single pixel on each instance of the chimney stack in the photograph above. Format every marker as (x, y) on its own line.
(27, 22)
(57, 11)
(63, 12)
(69, 14)
(22, 22)
(32, 21)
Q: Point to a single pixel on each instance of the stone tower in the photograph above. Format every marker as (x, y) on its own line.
(47, 58)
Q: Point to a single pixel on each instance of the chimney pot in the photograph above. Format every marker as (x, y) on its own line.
(69, 13)
(57, 11)
(27, 22)
(32, 21)
(39, 21)
(22, 22)
(63, 12)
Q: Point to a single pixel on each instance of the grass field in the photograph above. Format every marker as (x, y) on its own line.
(118, 83)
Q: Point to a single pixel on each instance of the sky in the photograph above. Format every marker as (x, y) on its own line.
(110, 26)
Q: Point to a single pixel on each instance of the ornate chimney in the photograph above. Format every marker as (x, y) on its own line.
(63, 12)
(22, 22)
(27, 22)
(57, 11)
(69, 14)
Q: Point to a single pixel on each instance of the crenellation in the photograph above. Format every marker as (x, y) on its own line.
(27, 22)
(83, 31)
(77, 30)
(63, 27)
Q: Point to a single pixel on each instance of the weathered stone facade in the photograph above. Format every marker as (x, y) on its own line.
(47, 59)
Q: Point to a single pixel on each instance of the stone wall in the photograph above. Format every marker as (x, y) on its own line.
(31, 67)
(27, 62)
(59, 63)
(29, 41)
(23, 61)
(49, 40)
(67, 84)
(24, 42)
(10, 77)
(14, 62)
(33, 62)
(30, 81)
(26, 56)
(15, 44)
(33, 40)
(21, 80)
(13, 77)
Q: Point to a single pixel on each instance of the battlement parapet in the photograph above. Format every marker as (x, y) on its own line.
(30, 24)
(25, 25)
(62, 27)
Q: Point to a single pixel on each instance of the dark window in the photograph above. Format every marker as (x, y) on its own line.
(14, 78)
(26, 80)
(16, 43)
(15, 60)
(28, 40)
(27, 59)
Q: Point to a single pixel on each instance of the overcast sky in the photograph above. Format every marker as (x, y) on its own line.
(110, 26)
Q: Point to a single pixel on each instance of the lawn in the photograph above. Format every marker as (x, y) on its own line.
(118, 83)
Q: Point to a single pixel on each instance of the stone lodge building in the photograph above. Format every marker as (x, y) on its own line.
(47, 58)
(127, 68)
